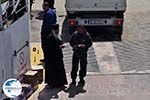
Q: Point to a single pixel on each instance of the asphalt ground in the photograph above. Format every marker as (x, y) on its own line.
(116, 70)
(131, 55)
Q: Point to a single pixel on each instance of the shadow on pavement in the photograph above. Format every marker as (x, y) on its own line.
(103, 34)
(49, 93)
(75, 90)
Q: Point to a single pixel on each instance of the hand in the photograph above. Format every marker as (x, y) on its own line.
(62, 46)
(74, 46)
(81, 45)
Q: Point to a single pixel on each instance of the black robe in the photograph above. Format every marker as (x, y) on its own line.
(55, 74)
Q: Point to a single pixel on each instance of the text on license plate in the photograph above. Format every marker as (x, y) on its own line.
(95, 21)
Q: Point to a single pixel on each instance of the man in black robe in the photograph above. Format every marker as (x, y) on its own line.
(56, 75)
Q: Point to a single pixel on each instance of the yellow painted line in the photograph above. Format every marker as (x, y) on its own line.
(36, 53)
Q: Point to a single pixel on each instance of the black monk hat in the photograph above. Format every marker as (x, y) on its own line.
(56, 26)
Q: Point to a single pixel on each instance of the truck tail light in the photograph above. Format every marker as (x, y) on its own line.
(119, 22)
(72, 22)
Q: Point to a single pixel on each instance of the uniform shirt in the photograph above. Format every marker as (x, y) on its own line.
(49, 18)
(79, 38)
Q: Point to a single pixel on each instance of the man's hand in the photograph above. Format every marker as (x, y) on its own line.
(62, 46)
(74, 47)
(81, 45)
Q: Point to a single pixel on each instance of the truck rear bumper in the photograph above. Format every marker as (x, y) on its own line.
(109, 18)
(96, 22)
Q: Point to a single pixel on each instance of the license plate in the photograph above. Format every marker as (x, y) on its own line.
(100, 21)
(97, 22)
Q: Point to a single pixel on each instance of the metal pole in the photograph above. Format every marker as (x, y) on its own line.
(1, 21)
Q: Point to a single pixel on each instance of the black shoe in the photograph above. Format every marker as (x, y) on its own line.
(81, 82)
(73, 83)
(42, 60)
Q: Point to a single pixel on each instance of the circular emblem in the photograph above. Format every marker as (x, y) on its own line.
(12, 88)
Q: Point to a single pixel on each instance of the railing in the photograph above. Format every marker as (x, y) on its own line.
(15, 54)
(10, 11)
(1, 22)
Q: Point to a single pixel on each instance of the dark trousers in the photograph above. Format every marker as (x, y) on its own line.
(44, 46)
(82, 59)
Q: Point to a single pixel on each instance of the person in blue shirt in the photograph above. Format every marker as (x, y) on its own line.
(51, 3)
(49, 19)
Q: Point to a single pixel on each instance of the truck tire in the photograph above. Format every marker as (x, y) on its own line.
(119, 31)
(71, 30)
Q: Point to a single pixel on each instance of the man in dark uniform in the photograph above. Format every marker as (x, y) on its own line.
(49, 18)
(80, 42)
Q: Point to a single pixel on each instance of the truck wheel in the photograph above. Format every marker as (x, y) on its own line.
(119, 30)
(71, 30)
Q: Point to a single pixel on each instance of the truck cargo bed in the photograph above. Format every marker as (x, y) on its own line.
(95, 5)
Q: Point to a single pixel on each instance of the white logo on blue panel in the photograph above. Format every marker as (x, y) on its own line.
(12, 88)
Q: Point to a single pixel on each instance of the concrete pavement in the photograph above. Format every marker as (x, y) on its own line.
(113, 81)
(117, 70)
(100, 87)
(123, 57)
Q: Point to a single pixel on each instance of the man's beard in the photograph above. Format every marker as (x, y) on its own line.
(57, 35)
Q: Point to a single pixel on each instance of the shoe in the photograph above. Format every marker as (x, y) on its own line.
(42, 60)
(73, 83)
(59, 85)
(82, 82)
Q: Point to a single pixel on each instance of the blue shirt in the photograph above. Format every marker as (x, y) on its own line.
(49, 18)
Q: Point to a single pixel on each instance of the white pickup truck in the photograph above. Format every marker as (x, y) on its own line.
(96, 13)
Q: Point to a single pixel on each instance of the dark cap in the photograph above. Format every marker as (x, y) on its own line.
(56, 26)
(80, 26)
(46, 4)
